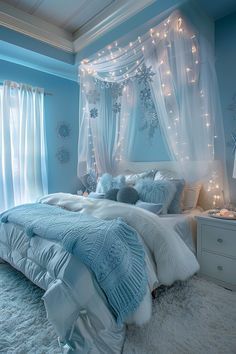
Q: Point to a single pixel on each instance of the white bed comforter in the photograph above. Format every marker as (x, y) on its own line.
(75, 304)
(173, 259)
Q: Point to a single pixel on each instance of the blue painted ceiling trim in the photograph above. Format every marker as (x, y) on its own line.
(34, 60)
(35, 45)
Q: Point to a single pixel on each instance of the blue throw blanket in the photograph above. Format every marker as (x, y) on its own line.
(111, 249)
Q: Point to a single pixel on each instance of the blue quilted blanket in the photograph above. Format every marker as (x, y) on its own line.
(111, 249)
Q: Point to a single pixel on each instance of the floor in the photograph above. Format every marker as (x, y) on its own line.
(194, 317)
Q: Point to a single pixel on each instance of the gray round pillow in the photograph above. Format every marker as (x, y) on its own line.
(127, 195)
(111, 194)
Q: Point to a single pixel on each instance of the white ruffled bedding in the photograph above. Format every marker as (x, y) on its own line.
(75, 304)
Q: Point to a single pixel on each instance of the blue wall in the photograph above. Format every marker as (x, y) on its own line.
(225, 40)
(61, 106)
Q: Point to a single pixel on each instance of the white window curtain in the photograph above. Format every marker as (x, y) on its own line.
(166, 76)
(23, 172)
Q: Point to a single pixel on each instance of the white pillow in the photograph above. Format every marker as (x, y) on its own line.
(190, 195)
(165, 174)
(131, 179)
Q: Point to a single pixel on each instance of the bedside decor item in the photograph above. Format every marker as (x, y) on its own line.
(63, 155)
(216, 250)
(63, 130)
(223, 214)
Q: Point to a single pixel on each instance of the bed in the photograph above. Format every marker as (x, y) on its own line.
(76, 305)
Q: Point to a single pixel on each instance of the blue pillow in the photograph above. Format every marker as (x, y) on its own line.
(152, 207)
(108, 182)
(175, 205)
(158, 192)
(112, 194)
(89, 181)
(127, 195)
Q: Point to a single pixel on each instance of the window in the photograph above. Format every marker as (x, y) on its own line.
(23, 173)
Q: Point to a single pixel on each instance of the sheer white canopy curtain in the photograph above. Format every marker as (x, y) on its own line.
(23, 172)
(166, 77)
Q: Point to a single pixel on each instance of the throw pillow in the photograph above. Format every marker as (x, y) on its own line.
(158, 192)
(127, 195)
(111, 194)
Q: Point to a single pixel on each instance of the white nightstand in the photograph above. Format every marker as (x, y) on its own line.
(216, 250)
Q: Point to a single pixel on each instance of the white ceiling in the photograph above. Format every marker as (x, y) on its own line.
(73, 24)
(67, 24)
(69, 15)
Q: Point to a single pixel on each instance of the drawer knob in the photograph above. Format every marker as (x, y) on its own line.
(219, 267)
(219, 240)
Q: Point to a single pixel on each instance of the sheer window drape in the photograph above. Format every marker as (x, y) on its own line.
(23, 172)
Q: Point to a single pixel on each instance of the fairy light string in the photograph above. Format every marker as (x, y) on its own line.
(133, 55)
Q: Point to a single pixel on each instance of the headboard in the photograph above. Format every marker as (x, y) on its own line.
(192, 172)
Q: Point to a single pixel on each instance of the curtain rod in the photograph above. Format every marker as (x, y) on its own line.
(45, 93)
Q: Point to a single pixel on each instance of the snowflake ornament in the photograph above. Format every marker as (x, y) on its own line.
(116, 107)
(144, 75)
(146, 97)
(154, 120)
(116, 91)
(93, 113)
(63, 155)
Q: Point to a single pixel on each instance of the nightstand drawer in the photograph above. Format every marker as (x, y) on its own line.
(218, 267)
(218, 240)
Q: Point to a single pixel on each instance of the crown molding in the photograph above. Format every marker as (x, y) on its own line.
(111, 17)
(34, 27)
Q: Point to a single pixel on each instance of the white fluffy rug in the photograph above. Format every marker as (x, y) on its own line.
(196, 317)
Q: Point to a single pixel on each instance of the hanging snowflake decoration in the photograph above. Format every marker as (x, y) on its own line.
(151, 122)
(146, 97)
(116, 91)
(144, 75)
(116, 107)
(150, 118)
(154, 120)
(63, 130)
(93, 113)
